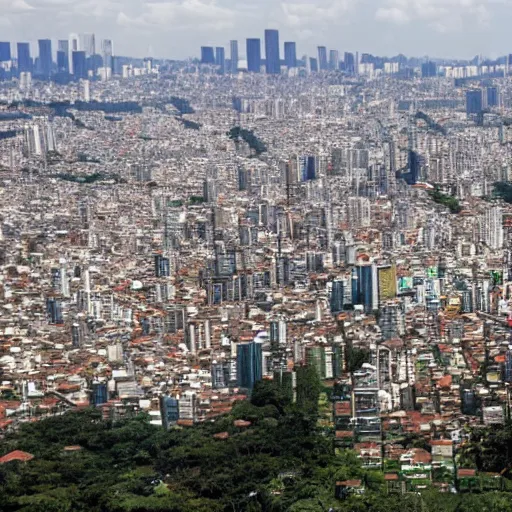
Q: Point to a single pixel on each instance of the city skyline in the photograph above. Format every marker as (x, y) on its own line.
(102, 45)
(274, 277)
(447, 29)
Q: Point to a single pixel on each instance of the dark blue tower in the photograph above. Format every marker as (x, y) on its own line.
(162, 266)
(45, 57)
(273, 62)
(350, 63)
(207, 55)
(429, 69)
(362, 286)
(474, 101)
(79, 65)
(337, 297)
(24, 59)
(5, 51)
(493, 97)
(54, 311)
(220, 58)
(99, 393)
(322, 58)
(249, 364)
(290, 54)
(170, 411)
(253, 55)
(62, 62)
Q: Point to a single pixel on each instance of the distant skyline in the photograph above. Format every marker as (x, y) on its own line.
(177, 28)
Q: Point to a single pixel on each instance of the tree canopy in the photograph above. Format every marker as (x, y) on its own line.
(280, 462)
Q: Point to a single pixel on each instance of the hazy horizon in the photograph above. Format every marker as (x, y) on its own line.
(176, 29)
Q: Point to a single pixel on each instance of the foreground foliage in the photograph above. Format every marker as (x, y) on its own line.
(282, 462)
(236, 133)
(503, 190)
(450, 202)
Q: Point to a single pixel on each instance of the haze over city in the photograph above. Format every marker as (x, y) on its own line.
(172, 29)
(255, 257)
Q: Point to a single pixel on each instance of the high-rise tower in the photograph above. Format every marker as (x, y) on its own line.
(273, 63)
(5, 51)
(107, 51)
(290, 54)
(334, 60)
(45, 57)
(63, 56)
(88, 44)
(220, 58)
(233, 46)
(253, 55)
(24, 59)
(322, 58)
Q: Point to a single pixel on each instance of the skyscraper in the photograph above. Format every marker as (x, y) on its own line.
(272, 60)
(249, 364)
(63, 56)
(474, 101)
(107, 50)
(220, 58)
(207, 55)
(62, 62)
(74, 46)
(428, 69)
(88, 44)
(493, 96)
(322, 58)
(337, 297)
(74, 43)
(290, 54)
(45, 57)
(313, 65)
(414, 162)
(233, 46)
(24, 59)
(63, 46)
(253, 55)
(350, 63)
(5, 51)
(334, 59)
(278, 331)
(307, 61)
(54, 311)
(79, 65)
(363, 286)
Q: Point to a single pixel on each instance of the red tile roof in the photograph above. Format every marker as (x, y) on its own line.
(74, 448)
(342, 434)
(241, 423)
(349, 483)
(466, 472)
(16, 455)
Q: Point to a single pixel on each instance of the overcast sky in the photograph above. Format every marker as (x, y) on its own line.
(177, 28)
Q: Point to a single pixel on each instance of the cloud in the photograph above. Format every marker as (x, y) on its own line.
(74, 8)
(299, 13)
(14, 7)
(439, 15)
(181, 15)
(392, 14)
(177, 28)
(308, 20)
